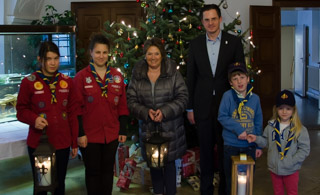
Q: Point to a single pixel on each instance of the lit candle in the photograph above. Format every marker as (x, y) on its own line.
(44, 172)
(155, 159)
(242, 183)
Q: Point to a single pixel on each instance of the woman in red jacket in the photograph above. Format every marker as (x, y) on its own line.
(103, 116)
(47, 100)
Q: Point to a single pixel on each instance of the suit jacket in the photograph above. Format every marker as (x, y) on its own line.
(200, 80)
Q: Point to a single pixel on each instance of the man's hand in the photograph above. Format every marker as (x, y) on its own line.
(251, 138)
(83, 141)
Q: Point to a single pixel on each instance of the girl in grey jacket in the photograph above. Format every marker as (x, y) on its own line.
(288, 144)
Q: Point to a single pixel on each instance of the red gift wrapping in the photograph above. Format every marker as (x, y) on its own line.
(126, 174)
(121, 155)
(189, 161)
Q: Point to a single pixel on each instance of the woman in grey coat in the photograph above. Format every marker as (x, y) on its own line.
(157, 93)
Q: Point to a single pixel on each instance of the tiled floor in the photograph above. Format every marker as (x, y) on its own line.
(16, 178)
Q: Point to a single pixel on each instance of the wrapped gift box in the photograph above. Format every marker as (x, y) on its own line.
(190, 161)
(142, 174)
(126, 173)
(121, 155)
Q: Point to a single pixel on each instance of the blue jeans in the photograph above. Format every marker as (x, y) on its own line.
(227, 161)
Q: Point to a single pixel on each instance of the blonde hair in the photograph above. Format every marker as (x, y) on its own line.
(295, 120)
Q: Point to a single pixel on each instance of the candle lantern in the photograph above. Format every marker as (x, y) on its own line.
(242, 175)
(156, 149)
(45, 166)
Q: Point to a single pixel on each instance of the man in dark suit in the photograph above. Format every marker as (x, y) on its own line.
(207, 80)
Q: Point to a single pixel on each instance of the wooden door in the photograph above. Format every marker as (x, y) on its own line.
(91, 17)
(265, 23)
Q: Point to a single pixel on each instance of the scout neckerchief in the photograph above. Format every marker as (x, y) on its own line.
(277, 137)
(51, 83)
(104, 84)
(238, 100)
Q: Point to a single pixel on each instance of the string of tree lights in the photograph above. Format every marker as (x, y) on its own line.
(176, 23)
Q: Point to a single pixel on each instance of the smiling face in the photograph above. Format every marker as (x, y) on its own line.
(211, 22)
(285, 112)
(153, 57)
(239, 82)
(100, 54)
(50, 64)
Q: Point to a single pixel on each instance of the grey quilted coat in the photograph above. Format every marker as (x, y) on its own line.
(170, 96)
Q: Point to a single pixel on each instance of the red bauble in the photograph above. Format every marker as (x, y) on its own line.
(163, 41)
(179, 29)
(199, 27)
(190, 10)
(177, 42)
(138, 1)
(121, 54)
(164, 10)
(128, 39)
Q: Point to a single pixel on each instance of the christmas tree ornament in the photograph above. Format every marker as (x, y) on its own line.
(170, 9)
(148, 37)
(154, 21)
(162, 41)
(120, 32)
(181, 56)
(126, 65)
(225, 5)
(121, 55)
(239, 31)
(147, 5)
(180, 42)
(199, 27)
(177, 42)
(137, 1)
(238, 22)
(143, 4)
(182, 63)
(164, 10)
(117, 46)
(128, 37)
(190, 26)
(126, 81)
(136, 47)
(168, 55)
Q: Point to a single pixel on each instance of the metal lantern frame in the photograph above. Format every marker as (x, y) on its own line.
(157, 148)
(242, 175)
(45, 166)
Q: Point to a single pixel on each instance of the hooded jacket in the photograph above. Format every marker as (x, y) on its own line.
(170, 96)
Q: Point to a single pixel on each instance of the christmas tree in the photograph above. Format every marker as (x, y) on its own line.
(175, 22)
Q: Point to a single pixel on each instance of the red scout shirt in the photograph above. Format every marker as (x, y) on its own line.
(100, 114)
(34, 99)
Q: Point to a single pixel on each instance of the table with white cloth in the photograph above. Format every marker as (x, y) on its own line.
(13, 139)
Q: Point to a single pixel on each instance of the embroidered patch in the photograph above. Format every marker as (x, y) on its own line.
(64, 115)
(31, 77)
(88, 80)
(117, 79)
(43, 115)
(65, 102)
(63, 84)
(90, 99)
(284, 96)
(41, 104)
(38, 85)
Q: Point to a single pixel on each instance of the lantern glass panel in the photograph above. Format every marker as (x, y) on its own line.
(43, 165)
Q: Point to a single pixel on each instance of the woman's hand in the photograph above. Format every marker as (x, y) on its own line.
(251, 138)
(83, 141)
(40, 123)
(158, 117)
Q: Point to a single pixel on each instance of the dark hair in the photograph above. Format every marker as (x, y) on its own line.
(208, 7)
(47, 46)
(154, 42)
(98, 38)
(237, 72)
